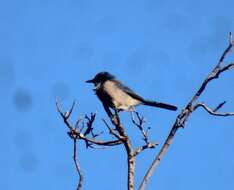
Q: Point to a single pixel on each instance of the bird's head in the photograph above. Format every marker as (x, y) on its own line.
(101, 78)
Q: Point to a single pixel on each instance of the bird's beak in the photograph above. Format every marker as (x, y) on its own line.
(90, 81)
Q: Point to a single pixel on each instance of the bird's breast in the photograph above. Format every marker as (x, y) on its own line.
(117, 97)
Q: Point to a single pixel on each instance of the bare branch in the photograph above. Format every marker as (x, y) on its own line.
(139, 124)
(128, 147)
(102, 143)
(75, 134)
(217, 70)
(89, 124)
(212, 112)
(64, 116)
(78, 122)
(227, 50)
(144, 147)
(230, 39)
(81, 177)
(186, 112)
(112, 131)
(227, 67)
(68, 113)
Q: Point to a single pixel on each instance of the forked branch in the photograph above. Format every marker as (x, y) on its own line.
(84, 130)
(76, 133)
(212, 112)
(189, 108)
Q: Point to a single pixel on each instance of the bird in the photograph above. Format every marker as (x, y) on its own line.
(117, 96)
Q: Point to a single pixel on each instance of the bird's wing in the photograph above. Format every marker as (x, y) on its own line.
(129, 91)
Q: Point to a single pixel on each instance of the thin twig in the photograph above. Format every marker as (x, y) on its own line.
(73, 133)
(112, 131)
(139, 124)
(144, 147)
(89, 123)
(212, 112)
(219, 106)
(65, 116)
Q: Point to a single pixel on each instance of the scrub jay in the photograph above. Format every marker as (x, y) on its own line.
(113, 94)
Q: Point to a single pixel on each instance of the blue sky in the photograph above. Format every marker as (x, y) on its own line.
(161, 49)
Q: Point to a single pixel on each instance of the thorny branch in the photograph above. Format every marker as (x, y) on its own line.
(189, 108)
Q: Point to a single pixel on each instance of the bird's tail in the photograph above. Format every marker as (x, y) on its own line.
(159, 105)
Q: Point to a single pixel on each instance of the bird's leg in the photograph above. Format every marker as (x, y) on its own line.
(116, 112)
(109, 113)
(115, 117)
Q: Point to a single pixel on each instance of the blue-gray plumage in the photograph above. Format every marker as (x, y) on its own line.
(113, 94)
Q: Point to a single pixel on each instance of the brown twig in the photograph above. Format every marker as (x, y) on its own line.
(186, 112)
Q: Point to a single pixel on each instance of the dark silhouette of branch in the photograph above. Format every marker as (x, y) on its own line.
(219, 106)
(189, 108)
